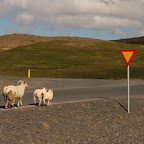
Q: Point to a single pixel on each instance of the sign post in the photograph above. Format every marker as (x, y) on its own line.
(128, 89)
(127, 56)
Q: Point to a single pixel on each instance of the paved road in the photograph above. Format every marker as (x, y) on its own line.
(70, 90)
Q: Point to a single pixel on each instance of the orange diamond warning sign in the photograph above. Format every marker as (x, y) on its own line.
(127, 55)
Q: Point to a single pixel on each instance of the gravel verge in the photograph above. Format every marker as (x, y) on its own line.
(92, 122)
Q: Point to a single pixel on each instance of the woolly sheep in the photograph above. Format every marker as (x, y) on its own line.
(17, 91)
(48, 96)
(10, 96)
(6, 89)
(38, 93)
(20, 91)
(9, 93)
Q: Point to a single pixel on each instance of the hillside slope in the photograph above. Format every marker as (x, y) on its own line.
(71, 57)
(15, 40)
(136, 40)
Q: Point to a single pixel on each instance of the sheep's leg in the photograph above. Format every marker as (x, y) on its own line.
(34, 99)
(13, 102)
(39, 102)
(7, 103)
(43, 101)
(18, 102)
(48, 103)
(21, 101)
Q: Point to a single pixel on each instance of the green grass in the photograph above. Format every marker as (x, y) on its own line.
(72, 58)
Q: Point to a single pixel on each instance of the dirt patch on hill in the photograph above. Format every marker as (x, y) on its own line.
(14, 40)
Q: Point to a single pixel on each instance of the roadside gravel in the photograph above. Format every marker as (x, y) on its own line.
(104, 121)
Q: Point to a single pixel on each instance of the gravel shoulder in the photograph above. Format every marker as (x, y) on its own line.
(91, 122)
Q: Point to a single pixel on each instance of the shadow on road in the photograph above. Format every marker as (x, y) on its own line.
(33, 104)
(2, 107)
(37, 104)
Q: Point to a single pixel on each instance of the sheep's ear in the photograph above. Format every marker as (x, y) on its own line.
(24, 82)
(20, 81)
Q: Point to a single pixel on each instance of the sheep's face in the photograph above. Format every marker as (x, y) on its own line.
(25, 83)
(44, 90)
(50, 90)
(22, 82)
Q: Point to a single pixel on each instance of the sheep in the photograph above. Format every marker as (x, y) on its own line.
(4, 92)
(16, 91)
(10, 96)
(48, 96)
(9, 93)
(20, 89)
(38, 93)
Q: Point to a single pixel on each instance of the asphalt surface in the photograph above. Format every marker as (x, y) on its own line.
(73, 90)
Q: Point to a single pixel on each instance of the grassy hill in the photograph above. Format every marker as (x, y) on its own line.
(72, 57)
(14, 40)
(136, 40)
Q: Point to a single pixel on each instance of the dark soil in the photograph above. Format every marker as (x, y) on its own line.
(103, 121)
(135, 40)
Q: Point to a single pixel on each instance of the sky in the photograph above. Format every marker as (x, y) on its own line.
(98, 19)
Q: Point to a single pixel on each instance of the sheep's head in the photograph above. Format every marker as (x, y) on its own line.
(50, 90)
(44, 90)
(23, 82)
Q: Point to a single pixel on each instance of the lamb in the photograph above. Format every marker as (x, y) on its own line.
(9, 93)
(48, 96)
(4, 92)
(10, 96)
(38, 93)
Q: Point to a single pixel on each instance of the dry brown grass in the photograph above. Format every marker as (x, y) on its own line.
(45, 125)
(15, 40)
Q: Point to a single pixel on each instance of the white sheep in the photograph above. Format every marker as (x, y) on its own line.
(5, 90)
(10, 96)
(38, 93)
(20, 91)
(9, 93)
(48, 96)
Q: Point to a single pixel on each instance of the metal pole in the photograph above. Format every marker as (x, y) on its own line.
(128, 90)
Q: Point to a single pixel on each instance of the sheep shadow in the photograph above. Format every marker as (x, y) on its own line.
(117, 103)
(33, 104)
(37, 104)
(2, 107)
